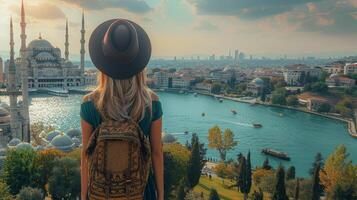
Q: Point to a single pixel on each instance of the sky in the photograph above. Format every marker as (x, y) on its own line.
(271, 28)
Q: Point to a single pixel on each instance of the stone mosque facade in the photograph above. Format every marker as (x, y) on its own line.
(40, 66)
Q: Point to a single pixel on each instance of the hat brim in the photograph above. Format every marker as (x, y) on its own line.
(112, 67)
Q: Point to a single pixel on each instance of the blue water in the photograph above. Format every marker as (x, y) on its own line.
(299, 134)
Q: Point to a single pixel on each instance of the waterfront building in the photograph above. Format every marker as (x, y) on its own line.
(63, 143)
(90, 77)
(314, 101)
(203, 87)
(1, 71)
(223, 75)
(255, 87)
(335, 67)
(340, 81)
(161, 79)
(350, 68)
(181, 82)
(295, 74)
(5, 128)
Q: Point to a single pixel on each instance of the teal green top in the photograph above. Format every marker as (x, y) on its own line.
(90, 114)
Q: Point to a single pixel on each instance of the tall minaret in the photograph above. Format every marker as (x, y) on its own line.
(24, 73)
(66, 44)
(12, 88)
(82, 45)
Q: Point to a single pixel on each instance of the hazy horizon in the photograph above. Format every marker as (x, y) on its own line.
(186, 28)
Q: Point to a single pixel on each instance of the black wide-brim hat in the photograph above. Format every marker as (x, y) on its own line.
(120, 48)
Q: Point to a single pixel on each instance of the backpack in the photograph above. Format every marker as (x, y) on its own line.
(119, 157)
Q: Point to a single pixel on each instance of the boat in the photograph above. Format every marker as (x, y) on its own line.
(257, 125)
(182, 92)
(203, 114)
(195, 94)
(220, 100)
(234, 112)
(186, 132)
(277, 154)
(281, 114)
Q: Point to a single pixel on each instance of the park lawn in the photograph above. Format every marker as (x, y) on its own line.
(224, 192)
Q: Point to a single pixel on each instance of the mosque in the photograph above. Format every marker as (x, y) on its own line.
(39, 66)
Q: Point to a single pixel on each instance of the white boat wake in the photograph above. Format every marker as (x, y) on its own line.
(236, 123)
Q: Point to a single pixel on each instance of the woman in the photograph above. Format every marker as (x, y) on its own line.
(121, 49)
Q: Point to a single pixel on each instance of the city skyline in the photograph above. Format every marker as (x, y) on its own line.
(200, 28)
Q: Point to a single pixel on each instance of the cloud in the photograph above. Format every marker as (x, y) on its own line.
(205, 26)
(246, 9)
(135, 6)
(41, 11)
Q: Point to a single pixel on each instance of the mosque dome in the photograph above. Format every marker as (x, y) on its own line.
(168, 138)
(51, 135)
(258, 81)
(14, 142)
(40, 44)
(74, 133)
(4, 116)
(45, 56)
(334, 76)
(63, 142)
(24, 146)
(5, 105)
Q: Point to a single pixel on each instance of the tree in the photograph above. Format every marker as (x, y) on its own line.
(5, 192)
(216, 88)
(324, 107)
(344, 107)
(194, 167)
(45, 162)
(249, 173)
(181, 191)
(213, 195)
(65, 180)
(278, 96)
(316, 187)
(290, 173)
(319, 87)
(297, 189)
(259, 174)
(338, 174)
(280, 192)
(266, 164)
(244, 182)
(202, 148)
(36, 129)
(318, 161)
(176, 158)
(19, 170)
(28, 193)
(292, 100)
(223, 143)
(258, 195)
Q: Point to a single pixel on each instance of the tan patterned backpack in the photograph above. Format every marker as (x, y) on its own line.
(119, 158)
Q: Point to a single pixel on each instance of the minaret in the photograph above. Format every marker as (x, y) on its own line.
(82, 46)
(12, 88)
(24, 73)
(66, 44)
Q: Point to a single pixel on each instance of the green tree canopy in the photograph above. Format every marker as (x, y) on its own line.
(213, 195)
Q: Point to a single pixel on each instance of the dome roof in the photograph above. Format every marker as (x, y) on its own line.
(24, 145)
(5, 105)
(72, 133)
(45, 56)
(4, 112)
(76, 141)
(39, 44)
(52, 135)
(61, 140)
(258, 81)
(13, 142)
(334, 76)
(168, 138)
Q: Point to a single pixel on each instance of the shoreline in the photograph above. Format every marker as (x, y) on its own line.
(351, 128)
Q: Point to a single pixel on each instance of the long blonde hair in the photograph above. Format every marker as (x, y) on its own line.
(122, 99)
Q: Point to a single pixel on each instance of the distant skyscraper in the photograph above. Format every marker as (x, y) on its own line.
(241, 56)
(66, 44)
(236, 55)
(1, 71)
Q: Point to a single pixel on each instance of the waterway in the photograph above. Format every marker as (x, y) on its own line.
(299, 134)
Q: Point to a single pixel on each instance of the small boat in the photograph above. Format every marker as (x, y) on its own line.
(220, 100)
(182, 92)
(277, 154)
(257, 125)
(234, 112)
(203, 114)
(195, 94)
(186, 132)
(281, 114)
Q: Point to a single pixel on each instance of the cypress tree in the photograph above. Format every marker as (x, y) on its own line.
(318, 161)
(242, 178)
(266, 164)
(258, 195)
(194, 166)
(181, 191)
(280, 192)
(297, 189)
(316, 187)
(249, 173)
(213, 195)
(290, 173)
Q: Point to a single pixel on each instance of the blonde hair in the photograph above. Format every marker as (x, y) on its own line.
(122, 99)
